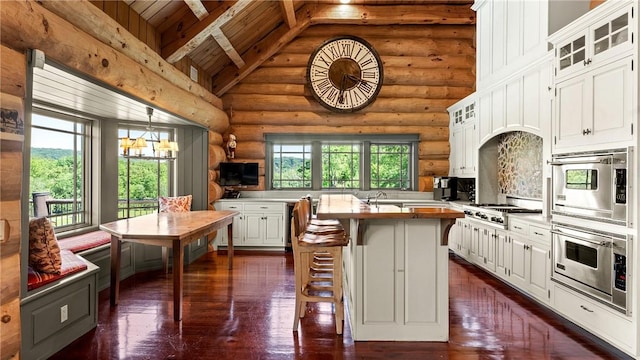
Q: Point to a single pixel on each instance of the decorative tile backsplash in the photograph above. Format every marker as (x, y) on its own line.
(520, 165)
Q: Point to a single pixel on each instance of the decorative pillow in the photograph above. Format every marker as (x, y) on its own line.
(175, 204)
(44, 252)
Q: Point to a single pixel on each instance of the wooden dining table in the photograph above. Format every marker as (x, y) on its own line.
(171, 230)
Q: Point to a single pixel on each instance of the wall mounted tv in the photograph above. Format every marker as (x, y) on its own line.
(238, 174)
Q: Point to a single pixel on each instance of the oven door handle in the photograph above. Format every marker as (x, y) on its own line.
(578, 162)
(599, 243)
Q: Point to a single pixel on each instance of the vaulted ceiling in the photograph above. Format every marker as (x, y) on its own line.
(230, 39)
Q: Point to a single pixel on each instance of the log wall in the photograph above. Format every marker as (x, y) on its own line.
(12, 90)
(427, 68)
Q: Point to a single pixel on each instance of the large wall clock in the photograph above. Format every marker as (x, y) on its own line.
(345, 74)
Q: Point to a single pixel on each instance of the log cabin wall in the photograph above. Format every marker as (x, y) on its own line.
(12, 92)
(427, 68)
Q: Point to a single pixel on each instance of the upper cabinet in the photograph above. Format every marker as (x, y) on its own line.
(588, 44)
(595, 79)
(510, 34)
(463, 137)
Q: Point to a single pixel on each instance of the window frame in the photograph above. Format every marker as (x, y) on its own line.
(89, 171)
(365, 141)
(171, 167)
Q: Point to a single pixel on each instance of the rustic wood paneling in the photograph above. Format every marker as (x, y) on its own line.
(427, 68)
(13, 78)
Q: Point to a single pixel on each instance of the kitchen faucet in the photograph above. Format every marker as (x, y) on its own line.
(377, 195)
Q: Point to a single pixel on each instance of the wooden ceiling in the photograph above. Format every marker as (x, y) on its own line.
(230, 39)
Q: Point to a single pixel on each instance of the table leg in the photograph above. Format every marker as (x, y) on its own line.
(114, 291)
(178, 269)
(230, 245)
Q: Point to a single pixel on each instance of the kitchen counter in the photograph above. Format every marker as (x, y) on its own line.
(350, 207)
(396, 268)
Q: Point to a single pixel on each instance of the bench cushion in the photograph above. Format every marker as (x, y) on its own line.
(85, 241)
(71, 264)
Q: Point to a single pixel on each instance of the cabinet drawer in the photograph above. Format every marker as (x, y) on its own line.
(263, 206)
(540, 235)
(237, 206)
(596, 318)
(519, 227)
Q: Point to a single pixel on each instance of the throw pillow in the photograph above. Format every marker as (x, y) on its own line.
(175, 204)
(44, 252)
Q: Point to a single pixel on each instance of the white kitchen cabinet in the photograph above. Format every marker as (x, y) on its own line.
(483, 245)
(595, 80)
(521, 102)
(397, 287)
(594, 110)
(260, 224)
(530, 259)
(463, 138)
(510, 35)
(602, 36)
(503, 253)
(606, 323)
(462, 234)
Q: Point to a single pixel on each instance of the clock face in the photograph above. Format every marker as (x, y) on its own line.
(345, 74)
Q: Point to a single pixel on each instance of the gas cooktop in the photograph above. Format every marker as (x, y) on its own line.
(496, 214)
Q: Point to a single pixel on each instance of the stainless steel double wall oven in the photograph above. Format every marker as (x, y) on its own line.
(593, 187)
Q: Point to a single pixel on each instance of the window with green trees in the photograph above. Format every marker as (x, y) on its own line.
(59, 169)
(141, 181)
(341, 162)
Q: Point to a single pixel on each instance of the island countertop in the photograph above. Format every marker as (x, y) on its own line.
(347, 206)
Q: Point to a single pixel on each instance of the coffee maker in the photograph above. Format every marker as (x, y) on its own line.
(445, 188)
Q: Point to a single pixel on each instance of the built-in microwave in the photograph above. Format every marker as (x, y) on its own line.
(593, 185)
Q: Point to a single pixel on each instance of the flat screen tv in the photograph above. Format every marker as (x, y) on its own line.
(238, 174)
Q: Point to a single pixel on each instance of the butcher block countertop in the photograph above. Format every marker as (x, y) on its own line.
(347, 206)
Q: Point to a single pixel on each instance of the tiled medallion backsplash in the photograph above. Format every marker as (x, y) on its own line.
(520, 165)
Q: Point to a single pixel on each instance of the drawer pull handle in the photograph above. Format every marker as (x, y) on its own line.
(537, 233)
(517, 227)
(586, 308)
(6, 318)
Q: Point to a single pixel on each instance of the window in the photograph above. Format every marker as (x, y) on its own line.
(341, 166)
(390, 166)
(142, 181)
(341, 162)
(60, 169)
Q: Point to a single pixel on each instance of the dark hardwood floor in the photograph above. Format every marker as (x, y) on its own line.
(247, 313)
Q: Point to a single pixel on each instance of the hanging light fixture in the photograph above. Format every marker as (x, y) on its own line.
(161, 148)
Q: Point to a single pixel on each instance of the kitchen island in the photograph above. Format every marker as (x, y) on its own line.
(395, 268)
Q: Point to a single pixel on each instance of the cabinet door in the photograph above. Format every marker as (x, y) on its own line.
(539, 271)
(253, 229)
(457, 155)
(571, 54)
(519, 262)
(466, 239)
(474, 250)
(484, 40)
(487, 249)
(273, 229)
(612, 103)
(610, 37)
(469, 149)
(571, 101)
(503, 253)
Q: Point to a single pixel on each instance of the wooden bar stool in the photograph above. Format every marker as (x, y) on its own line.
(313, 285)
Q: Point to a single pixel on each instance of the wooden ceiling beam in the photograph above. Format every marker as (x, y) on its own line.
(339, 14)
(197, 8)
(394, 14)
(196, 35)
(225, 44)
(289, 12)
(263, 50)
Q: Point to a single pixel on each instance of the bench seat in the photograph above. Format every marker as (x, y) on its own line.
(71, 264)
(84, 242)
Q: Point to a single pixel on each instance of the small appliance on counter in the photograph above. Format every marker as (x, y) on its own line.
(445, 188)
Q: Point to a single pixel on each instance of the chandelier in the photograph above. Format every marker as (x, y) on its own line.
(161, 148)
